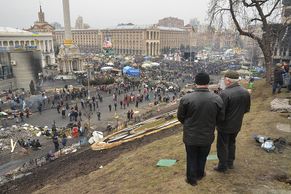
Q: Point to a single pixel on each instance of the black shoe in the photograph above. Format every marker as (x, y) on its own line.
(219, 169)
(191, 183)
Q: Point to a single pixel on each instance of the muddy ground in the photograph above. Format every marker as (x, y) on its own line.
(80, 163)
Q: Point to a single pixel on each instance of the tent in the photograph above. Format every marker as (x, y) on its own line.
(110, 64)
(106, 68)
(126, 68)
(146, 65)
(154, 64)
(133, 72)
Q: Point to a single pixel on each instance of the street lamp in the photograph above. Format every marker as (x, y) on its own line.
(88, 78)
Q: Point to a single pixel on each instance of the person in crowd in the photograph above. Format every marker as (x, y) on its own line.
(237, 102)
(110, 107)
(199, 113)
(64, 140)
(278, 78)
(98, 115)
(56, 142)
(115, 105)
(21, 116)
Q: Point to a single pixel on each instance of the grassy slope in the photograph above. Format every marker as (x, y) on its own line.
(255, 170)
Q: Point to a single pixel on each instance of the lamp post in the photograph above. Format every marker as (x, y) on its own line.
(88, 78)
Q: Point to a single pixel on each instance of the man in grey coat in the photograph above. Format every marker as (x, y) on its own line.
(199, 112)
(237, 102)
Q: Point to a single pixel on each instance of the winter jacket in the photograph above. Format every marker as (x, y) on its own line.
(199, 112)
(237, 102)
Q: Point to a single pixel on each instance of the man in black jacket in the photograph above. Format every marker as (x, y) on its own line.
(278, 78)
(237, 102)
(199, 112)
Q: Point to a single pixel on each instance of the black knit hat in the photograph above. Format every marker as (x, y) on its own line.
(202, 78)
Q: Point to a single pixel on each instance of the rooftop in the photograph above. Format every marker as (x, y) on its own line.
(8, 31)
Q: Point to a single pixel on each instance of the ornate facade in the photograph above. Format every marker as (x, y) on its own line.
(88, 40)
(149, 40)
(20, 39)
(41, 25)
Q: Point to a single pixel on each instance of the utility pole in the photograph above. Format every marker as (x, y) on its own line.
(190, 47)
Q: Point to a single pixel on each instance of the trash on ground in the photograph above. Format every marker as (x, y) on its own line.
(212, 157)
(281, 105)
(270, 145)
(284, 127)
(97, 136)
(166, 162)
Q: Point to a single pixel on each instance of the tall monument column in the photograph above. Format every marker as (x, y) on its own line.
(67, 23)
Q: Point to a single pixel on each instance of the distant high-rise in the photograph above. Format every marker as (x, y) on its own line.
(171, 22)
(80, 23)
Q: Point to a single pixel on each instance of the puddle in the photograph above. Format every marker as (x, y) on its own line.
(283, 127)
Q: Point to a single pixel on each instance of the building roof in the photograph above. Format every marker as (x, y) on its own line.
(8, 31)
(143, 27)
(170, 28)
(129, 27)
(75, 29)
(11, 30)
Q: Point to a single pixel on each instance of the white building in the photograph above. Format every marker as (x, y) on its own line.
(15, 38)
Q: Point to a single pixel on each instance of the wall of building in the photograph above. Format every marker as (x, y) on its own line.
(172, 40)
(88, 40)
(26, 68)
(8, 84)
(42, 42)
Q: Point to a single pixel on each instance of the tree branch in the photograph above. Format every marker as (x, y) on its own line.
(274, 7)
(255, 19)
(238, 27)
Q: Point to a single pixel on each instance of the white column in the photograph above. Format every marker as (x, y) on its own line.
(67, 20)
(43, 46)
(49, 46)
(52, 46)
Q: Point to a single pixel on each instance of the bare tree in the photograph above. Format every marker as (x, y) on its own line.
(246, 13)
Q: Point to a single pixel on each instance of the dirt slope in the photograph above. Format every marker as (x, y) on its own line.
(131, 167)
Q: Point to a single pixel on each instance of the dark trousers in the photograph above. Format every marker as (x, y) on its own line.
(196, 160)
(226, 149)
(277, 84)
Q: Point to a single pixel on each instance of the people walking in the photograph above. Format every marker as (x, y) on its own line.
(237, 102)
(199, 112)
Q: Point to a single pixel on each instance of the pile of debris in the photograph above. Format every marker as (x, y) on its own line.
(26, 168)
(281, 105)
(270, 145)
(15, 133)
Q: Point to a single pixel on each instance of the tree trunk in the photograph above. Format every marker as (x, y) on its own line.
(268, 54)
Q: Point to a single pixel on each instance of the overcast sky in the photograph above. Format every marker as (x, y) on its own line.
(101, 13)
